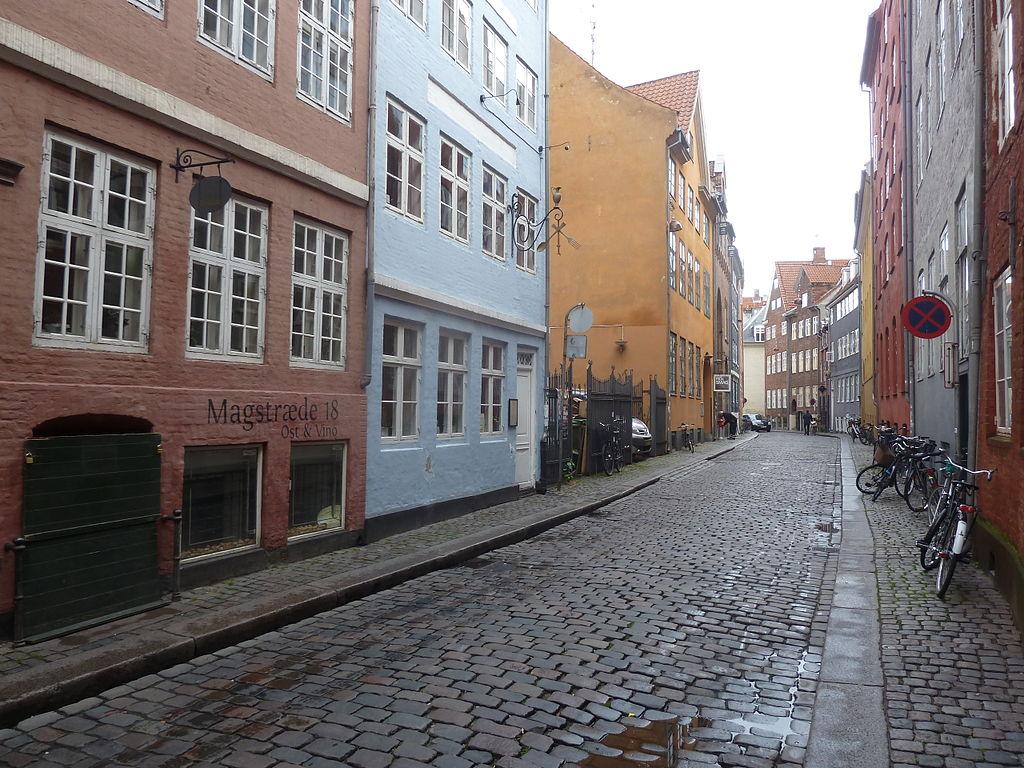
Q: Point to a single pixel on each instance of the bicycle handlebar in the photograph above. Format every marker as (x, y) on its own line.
(973, 473)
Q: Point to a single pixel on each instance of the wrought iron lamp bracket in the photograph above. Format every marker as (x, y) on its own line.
(187, 158)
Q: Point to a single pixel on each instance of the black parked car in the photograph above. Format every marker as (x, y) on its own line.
(643, 442)
(758, 423)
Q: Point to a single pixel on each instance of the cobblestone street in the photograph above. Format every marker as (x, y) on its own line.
(705, 596)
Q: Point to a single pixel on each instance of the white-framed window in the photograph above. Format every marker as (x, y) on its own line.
(414, 9)
(958, 22)
(95, 248)
(526, 94)
(920, 131)
(689, 203)
(963, 277)
(242, 29)
(1003, 325)
(457, 30)
(707, 228)
(672, 262)
(1006, 85)
(814, 359)
(672, 364)
(400, 379)
(325, 55)
(494, 213)
(495, 63)
(681, 269)
(940, 51)
(456, 168)
(227, 281)
(673, 173)
(697, 213)
(156, 7)
(451, 385)
(492, 380)
(405, 140)
(526, 256)
(319, 295)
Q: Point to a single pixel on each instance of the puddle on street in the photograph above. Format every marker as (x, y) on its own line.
(653, 741)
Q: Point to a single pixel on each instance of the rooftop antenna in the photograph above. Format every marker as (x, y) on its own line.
(593, 31)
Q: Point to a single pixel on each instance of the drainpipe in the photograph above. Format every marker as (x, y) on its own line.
(979, 278)
(908, 214)
(371, 211)
(546, 181)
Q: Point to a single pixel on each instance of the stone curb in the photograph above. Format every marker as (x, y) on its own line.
(51, 686)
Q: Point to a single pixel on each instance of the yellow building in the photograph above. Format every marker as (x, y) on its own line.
(868, 404)
(636, 196)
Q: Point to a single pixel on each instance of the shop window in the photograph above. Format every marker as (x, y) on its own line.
(221, 499)
(317, 488)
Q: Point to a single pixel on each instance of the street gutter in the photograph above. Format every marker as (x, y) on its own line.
(57, 684)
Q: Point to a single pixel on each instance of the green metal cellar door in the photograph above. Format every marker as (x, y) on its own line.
(88, 551)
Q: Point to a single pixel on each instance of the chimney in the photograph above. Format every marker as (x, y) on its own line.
(757, 295)
(819, 256)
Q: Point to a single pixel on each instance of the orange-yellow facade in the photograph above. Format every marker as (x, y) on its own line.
(635, 195)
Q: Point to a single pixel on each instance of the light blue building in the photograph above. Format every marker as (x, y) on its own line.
(458, 339)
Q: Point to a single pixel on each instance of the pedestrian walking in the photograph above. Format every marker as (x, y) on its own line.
(808, 417)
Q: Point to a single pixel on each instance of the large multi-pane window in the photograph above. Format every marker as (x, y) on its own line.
(707, 294)
(451, 385)
(494, 214)
(691, 368)
(698, 364)
(154, 6)
(526, 94)
(414, 9)
(457, 30)
(495, 63)
(672, 261)
(243, 29)
(317, 488)
(228, 269)
(319, 279)
(1006, 75)
(963, 288)
(682, 367)
(1003, 324)
(696, 279)
(220, 499)
(405, 139)
(399, 405)
(325, 54)
(526, 253)
(95, 249)
(940, 51)
(455, 178)
(492, 380)
(672, 341)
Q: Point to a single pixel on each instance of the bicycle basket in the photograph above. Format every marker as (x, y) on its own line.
(883, 455)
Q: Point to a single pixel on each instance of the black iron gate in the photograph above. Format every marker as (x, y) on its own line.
(88, 552)
(608, 399)
(556, 432)
(659, 417)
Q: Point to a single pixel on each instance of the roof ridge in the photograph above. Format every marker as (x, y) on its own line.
(666, 77)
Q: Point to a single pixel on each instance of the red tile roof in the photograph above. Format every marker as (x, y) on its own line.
(789, 273)
(677, 92)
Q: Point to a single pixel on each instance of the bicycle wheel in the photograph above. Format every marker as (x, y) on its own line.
(936, 534)
(947, 564)
(608, 460)
(618, 460)
(869, 478)
(888, 478)
(918, 494)
(904, 477)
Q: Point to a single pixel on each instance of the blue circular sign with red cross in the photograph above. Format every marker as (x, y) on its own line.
(927, 317)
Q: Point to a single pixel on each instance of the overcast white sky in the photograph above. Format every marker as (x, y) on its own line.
(780, 84)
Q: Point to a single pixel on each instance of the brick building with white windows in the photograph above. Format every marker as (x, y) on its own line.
(155, 360)
(792, 326)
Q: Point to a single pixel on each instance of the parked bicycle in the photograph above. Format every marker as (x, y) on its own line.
(858, 430)
(951, 519)
(611, 447)
(899, 464)
(687, 441)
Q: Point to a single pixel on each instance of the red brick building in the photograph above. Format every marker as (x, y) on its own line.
(155, 359)
(792, 354)
(999, 539)
(882, 73)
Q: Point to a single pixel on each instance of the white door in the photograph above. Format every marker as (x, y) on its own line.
(526, 431)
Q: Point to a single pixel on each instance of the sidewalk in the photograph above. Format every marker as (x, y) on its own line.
(44, 676)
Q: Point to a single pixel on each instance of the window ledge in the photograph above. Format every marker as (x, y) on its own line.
(393, 445)
(1000, 440)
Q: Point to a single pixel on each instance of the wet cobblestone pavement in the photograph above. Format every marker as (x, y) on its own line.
(236, 591)
(704, 596)
(953, 669)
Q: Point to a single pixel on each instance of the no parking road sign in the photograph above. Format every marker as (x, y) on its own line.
(927, 317)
